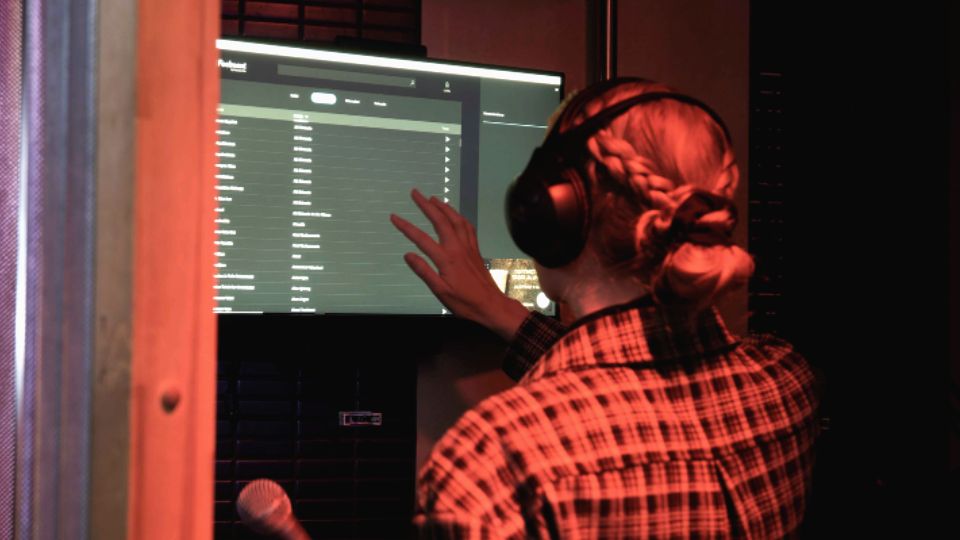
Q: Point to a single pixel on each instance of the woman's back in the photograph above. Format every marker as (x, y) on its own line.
(637, 424)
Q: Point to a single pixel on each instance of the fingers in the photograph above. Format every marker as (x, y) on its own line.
(426, 273)
(457, 238)
(464, 230)
(430, 208)
(419, 238)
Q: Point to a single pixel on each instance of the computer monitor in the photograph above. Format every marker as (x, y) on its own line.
(316, 148)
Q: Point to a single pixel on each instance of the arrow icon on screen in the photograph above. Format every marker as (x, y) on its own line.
(445, 179)
(446, 159)
(446, 189)
(446, 169)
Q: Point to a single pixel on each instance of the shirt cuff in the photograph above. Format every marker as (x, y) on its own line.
(536, 334)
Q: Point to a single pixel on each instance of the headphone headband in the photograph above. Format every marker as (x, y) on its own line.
(603, 118)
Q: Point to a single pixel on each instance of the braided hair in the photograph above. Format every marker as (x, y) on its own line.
(662, 176)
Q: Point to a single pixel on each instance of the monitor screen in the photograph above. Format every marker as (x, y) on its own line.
(316, 148)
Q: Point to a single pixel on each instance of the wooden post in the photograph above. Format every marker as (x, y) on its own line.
(173, 394)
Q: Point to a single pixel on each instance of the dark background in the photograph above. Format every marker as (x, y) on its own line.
(864, 292)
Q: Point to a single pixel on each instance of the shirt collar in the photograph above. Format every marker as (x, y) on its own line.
(638, 332)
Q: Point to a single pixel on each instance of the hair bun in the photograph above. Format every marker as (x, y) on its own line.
(705, 219)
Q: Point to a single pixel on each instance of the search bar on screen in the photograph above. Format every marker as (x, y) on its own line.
(345, 76)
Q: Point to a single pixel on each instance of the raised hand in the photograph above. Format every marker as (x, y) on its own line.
(460, 281)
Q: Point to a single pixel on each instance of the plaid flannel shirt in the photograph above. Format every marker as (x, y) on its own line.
(637, 423)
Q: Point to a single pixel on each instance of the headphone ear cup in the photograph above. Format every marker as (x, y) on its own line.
(547, 211)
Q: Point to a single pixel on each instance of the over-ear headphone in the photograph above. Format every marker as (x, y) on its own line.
(548, 205)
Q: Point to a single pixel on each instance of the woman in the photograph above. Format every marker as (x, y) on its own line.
(644, 418)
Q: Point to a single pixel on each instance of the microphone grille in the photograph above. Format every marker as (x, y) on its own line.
(264, 506)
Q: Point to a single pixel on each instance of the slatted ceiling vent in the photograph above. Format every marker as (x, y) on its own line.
(323, 21)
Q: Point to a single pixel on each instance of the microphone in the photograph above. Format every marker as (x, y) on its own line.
(264, 507)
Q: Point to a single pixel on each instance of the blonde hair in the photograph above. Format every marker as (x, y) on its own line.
(650, 162)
